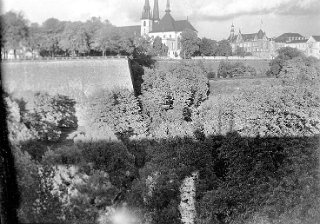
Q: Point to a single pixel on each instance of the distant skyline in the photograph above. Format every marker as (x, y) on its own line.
(212, 18)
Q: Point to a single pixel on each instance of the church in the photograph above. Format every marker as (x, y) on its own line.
(167, 28)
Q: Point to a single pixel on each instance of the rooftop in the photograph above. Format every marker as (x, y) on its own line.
(317, 38)
(167, 24)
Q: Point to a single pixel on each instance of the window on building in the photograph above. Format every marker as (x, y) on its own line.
(170, 36)
(164, 36)
(172, 46)
(144, 23)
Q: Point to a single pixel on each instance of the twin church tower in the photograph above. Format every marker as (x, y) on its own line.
(148, 18)
(167, 28)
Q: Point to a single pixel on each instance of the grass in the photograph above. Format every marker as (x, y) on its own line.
(232, 86)
(211, 65)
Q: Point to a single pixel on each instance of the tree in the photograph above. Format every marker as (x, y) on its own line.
(102, 39)
(189, 43)
(170, 95)
(92, 26)
(74, 39)
(35, 39)
(52, 30)
(118, 110)
(240, 51)
(224, 48)
(208, 47)
(159, 49)
(15, 31)
(50, 115)
(284, 54)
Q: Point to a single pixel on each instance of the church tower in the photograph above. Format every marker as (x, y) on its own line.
(168, 7)
(232, 31)
(156, 17)
(146, 19)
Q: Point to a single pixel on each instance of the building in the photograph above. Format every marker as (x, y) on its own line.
(313, 46)
(300, 44)
(167, 28)
(294, 40)
(288, 37)
(258, 44)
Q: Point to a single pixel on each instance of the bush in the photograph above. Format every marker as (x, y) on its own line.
(111, 157)
(63, 156)
(238, 69)
(170, 94)
(118, 110)
(284, 54)
(50, 115)
(211, 75)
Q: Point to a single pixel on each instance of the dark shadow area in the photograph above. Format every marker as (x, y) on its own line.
(9, 194)
(137, 65)
(238, 176)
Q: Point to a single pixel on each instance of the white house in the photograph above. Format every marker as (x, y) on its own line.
(313, 46)
(298, 44)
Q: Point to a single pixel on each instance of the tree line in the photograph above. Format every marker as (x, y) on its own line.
(65, 38)
(94, 37)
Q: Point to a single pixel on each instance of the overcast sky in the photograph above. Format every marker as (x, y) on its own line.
(212, 18)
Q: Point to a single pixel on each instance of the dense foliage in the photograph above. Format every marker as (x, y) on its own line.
(229, 69)
(170, 95)
(256, 152)
(284, 54)
(119, 110)
(189, 44)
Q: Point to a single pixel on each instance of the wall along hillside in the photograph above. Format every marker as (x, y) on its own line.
(75, 78)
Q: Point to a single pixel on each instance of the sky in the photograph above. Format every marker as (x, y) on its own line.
(211, 18)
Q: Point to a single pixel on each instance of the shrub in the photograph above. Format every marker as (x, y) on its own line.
(238, 69)
(170, 95)
(111, 157)
(65, 155)
(211, 75)
(119, 110)
(284, 54)
(50, 115)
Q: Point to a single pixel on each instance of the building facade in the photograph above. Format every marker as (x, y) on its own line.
(313, 46)
(301, 45)
(257, 44)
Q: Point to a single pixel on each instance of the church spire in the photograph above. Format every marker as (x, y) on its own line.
(146, 13)
(168, 7)
(156, 17)
(232, 31)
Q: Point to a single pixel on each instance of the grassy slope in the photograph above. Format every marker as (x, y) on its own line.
(232, 86)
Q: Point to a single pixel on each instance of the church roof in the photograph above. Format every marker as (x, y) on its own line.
(167, 24)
